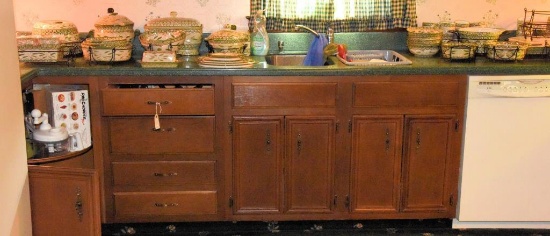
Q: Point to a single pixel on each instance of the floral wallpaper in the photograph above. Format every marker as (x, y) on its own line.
(493, 13)
(213, 14)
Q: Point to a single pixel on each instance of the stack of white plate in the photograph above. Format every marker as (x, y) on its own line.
(225, 60)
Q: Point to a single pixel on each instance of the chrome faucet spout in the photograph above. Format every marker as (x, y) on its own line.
(297, 27)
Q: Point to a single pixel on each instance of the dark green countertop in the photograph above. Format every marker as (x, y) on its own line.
(188, 67)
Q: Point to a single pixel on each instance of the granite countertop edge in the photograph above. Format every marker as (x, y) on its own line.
(189, 67)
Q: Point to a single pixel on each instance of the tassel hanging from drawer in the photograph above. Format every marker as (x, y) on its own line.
(158, 109)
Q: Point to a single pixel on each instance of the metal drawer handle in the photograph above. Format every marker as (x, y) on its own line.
(158, 204)
(164, 130)
(161, 103)
(78, 204)
(165, 174)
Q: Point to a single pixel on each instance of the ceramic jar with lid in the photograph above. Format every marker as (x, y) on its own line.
(162, 41)
(114, 25)
(228, 40)
(65, 31)
(191, 27)
(107, 49)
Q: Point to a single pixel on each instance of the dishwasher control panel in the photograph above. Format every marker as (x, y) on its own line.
(511, 88)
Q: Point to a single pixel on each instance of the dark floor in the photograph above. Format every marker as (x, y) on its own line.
(337, 228)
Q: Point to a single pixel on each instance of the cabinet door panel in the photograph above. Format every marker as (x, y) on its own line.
(281, 95)
(405, 93)
(258, 164)
(64, 201)
(376, 164)
(310, 156)
(427, 157)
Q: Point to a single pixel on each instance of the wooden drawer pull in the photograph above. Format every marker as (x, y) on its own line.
(165, 174)
(164, 130)
(161, 103)
(158, 204)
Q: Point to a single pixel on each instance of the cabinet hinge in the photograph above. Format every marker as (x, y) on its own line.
(451, 200)
(230, 201)
(349, 126)
(337, 126)
(457, 125)
(348, 202)
(230, 127)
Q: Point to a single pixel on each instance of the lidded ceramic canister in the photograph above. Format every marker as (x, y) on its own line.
(228, 40)
(191, 27)
(66, 31)
(114, 25)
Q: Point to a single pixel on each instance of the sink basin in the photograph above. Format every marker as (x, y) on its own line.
(289, 60)
(354, 58)
(374, 58)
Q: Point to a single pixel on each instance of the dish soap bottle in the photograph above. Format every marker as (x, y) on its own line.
(259, 36)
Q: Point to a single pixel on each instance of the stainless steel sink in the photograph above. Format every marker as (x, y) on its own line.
(289, 60)
(354, 58)
(374, 58)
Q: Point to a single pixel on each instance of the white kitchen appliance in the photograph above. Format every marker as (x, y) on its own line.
(506, 158)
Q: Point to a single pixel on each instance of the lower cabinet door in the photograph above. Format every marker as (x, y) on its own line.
(376, 164)
(257, 165)
(310, 164)
(428, 165)
(64, 201)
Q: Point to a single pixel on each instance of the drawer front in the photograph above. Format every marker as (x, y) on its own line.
(135, 135)
(194, 101)
(405, 94)
(165, 203)
(164, 173)
(281, 95)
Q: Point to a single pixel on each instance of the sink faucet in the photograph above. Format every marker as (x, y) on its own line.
(306, 28)
(330, 32)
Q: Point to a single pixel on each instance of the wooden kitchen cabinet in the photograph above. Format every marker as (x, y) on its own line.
(283, 171)
(406, 146)
(403, 164)
(283, 148)
(65, 198)
(271, 148)
(161, 152)
(293, 159)
(65, 188)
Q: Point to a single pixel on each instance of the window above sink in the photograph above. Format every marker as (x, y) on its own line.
(340, 15)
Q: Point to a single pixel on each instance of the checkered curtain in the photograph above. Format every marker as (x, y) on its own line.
(355, 15)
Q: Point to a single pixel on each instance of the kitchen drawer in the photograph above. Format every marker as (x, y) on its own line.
(182, 101)
(165, 203)
(164, 173)
(405, 94)
(284, 95)
(136, 135)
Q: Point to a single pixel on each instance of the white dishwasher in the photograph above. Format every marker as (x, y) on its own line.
(505, 170)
